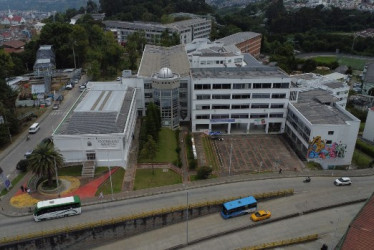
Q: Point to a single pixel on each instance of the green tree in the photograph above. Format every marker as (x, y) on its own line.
(149, 151)
(203, 172)
(91, 7)
(43, 159)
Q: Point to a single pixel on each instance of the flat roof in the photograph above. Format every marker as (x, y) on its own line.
(238, 37)
(335, 85)
(157, 57)
(102, 109)
(247, 72)
(187, 23)
(313, 105)
(134, 25)
(369, 74)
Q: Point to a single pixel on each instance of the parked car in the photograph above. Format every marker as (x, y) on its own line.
(56, 106)
(119, 78)
(28, 153)
(343, 181)
(69, 86)
(260, 215)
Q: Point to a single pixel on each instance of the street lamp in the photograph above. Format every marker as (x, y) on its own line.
(75, 65)
(57, 184)
(110, 177)
(186, 214)
(230, 157)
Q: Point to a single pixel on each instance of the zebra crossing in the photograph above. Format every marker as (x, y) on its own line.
(58, 112)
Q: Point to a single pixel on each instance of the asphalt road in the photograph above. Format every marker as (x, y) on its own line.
(9, 161)
(320, 192)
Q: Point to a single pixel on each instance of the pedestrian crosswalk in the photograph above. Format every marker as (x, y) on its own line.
(58, 113)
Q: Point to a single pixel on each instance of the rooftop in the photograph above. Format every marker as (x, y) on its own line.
(360, 233)
(157, 57)
(186, 23)
(369, 75)
(317, 106)
(238, 37)
(134, 25)
(248, 72)
(103, 109)
(335, 85)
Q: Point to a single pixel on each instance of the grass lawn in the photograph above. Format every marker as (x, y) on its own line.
(70, 171)
(166, 147)
(210, 153)
(324, 59)
(362, 127)
(117, 180)
(145, 179)
(14, 183)
(356, 64)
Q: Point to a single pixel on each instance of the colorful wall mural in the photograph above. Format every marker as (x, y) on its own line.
(319, 149)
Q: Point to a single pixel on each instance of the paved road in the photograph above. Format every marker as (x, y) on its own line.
(48, 122)
(320, 191)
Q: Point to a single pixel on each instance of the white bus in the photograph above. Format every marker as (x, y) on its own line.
(34, 128)
(56, 208)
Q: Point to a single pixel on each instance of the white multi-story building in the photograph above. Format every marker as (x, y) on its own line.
(100, 127)
(337, 86)
(320, 130)
(203, 53)
(187, 30)
(243, 100)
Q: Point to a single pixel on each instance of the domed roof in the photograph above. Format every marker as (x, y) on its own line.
(165, 73)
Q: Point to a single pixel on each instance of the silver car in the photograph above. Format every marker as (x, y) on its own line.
(343, 181)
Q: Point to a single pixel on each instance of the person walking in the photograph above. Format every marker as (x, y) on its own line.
(22, 189)
(28, 190)
(280, 170)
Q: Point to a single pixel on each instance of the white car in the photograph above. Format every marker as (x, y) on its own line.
(69, 86)
(342, 181)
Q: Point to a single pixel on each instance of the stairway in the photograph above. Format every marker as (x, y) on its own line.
(88, 169)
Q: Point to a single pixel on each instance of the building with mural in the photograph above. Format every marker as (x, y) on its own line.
(321, 130)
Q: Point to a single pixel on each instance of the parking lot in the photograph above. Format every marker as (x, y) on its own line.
(255, 153)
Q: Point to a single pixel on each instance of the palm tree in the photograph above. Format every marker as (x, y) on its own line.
(43, 160)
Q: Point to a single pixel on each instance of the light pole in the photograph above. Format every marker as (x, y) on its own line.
(75, 65)
(57, 184)
(230, 157)
(186, 214)
(110, 177)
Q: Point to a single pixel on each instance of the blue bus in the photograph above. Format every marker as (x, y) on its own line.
(239, 207)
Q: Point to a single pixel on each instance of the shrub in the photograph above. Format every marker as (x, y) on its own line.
(22, 165)
(203, 172)
(364, 147)
(314, 165)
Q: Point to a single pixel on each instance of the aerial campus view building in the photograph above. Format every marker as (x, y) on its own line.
(215, 88)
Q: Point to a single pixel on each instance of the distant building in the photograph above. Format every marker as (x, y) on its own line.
(333, 83)
(100, 128)
(12, 20)
(369, 126)
(368, 80)
(44, 66)
(187, 30)
(14, 46)
(247, 42)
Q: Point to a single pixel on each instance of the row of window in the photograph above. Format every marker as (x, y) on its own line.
(242, 96)
(237, 116)
(284, 85)
(241, 106)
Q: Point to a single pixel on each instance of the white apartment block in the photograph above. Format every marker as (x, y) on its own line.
(187, 29)
(369, 126)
